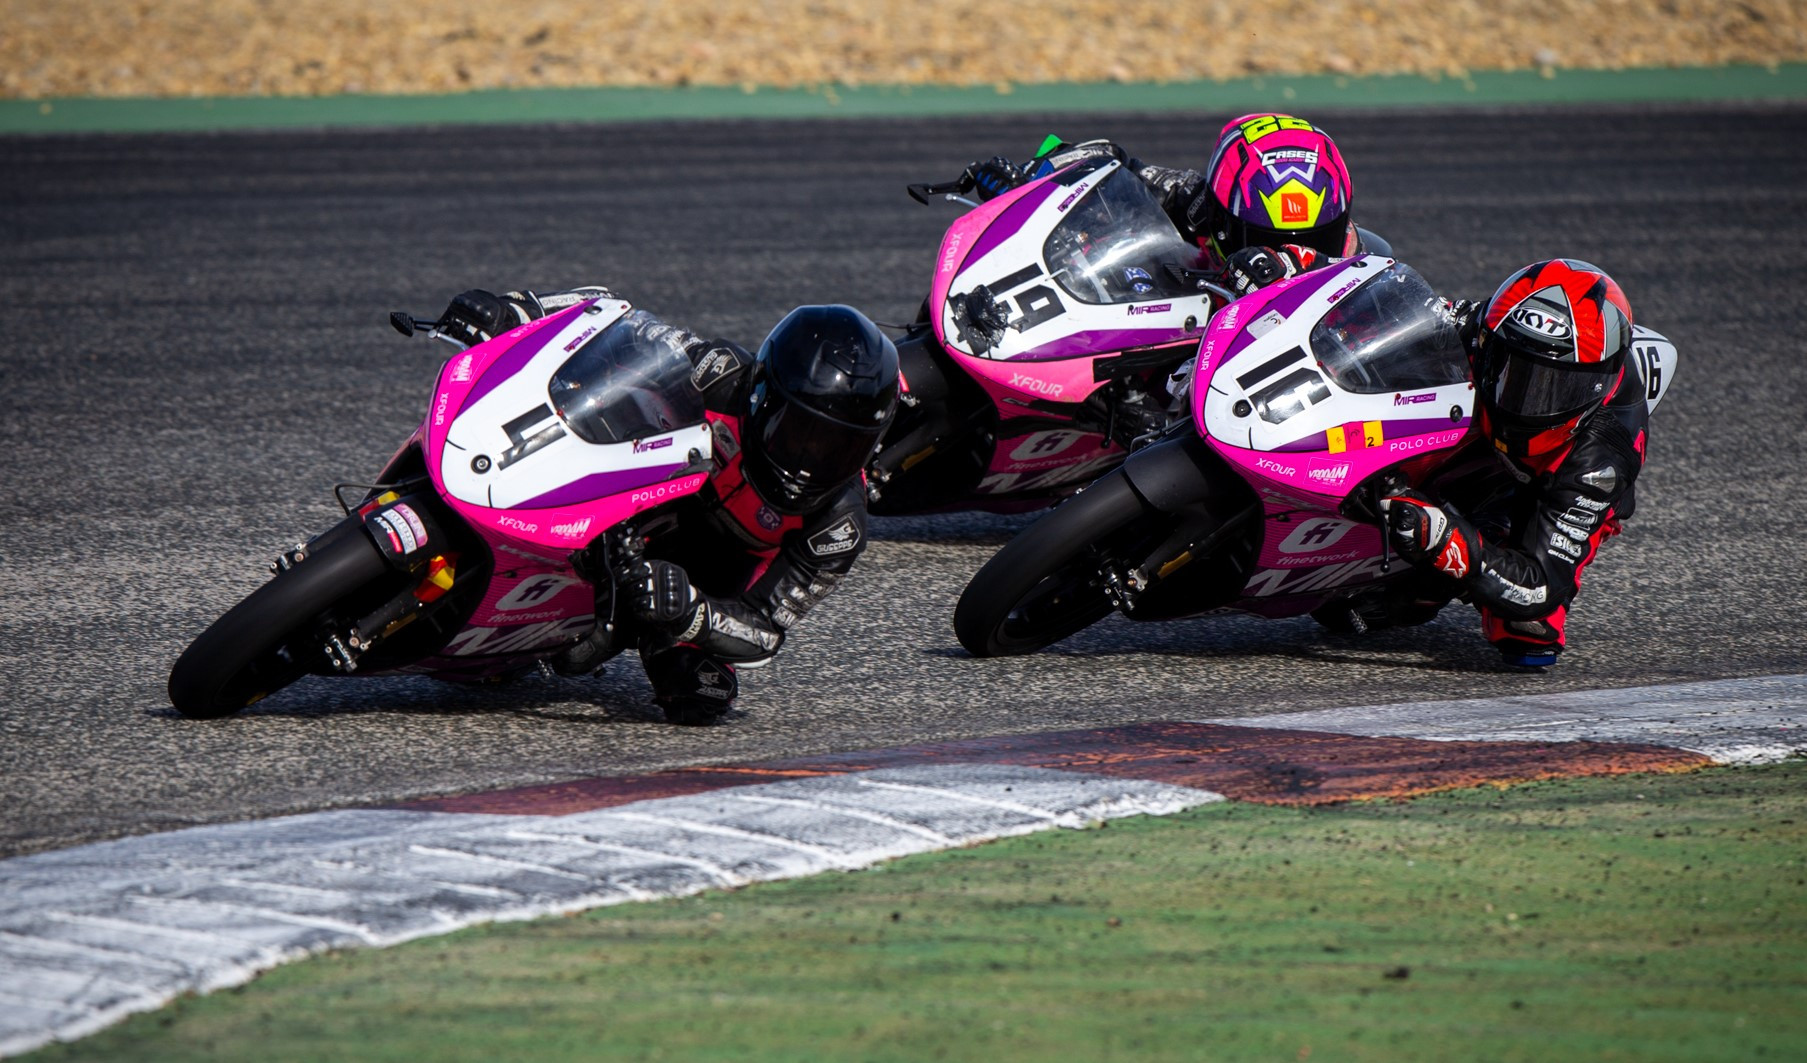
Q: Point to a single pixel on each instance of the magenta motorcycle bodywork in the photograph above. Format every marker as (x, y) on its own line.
(1307, 401)
(1057, 313)
(490, 541)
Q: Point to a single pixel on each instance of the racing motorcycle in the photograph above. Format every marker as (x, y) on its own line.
(1042, 354)
(1309, 401)
(498, 533)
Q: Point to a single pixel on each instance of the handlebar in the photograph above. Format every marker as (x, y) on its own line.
(407, 324)
(952, 191)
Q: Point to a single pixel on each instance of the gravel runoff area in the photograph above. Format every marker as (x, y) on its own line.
(159, 48)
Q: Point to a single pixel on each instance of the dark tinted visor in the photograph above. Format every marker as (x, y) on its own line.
(1330, 238)
(812, 450)
(1540, 390)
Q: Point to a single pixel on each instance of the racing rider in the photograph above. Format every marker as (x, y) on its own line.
(1562, 410)
(783, 515)
(1273, 201)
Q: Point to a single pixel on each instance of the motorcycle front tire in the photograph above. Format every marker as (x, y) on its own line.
(267, 641)
(1043, 586)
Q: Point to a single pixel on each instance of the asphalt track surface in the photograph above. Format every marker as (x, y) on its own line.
(196, 350)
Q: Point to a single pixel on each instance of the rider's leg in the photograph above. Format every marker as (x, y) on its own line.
(691, 686)
(1526, 643)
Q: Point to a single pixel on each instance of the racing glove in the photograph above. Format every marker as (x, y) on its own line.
(1258, 267)
(995, 176)
(665, 600)
(476, 315)
(1425, 533)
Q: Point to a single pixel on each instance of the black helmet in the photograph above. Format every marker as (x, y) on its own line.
(1552, 345)
(825, 388)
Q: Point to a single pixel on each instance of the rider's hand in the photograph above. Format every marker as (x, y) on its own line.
(475, 316)
(1466, 315)
(1258, 267)
(1426, 533)
(664, 598)
(995, 176)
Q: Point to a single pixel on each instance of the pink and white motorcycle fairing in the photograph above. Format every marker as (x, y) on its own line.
(1056, 315)
(1308, 400)
(495, 531)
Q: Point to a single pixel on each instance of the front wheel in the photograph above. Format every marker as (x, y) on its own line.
(267, 641)
(1047, 583)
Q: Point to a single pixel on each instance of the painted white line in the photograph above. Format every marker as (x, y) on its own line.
(1732, 721)
(93, 934)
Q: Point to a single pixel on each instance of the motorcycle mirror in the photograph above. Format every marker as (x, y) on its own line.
(402, 322)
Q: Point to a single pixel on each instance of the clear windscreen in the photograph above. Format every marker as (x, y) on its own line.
(629, 382)
(1115, 245)
(1391, 334)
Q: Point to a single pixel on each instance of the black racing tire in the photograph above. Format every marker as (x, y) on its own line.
(266, 642)
(1043, 585)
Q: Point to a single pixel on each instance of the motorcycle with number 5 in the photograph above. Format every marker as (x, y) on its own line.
(498, 533)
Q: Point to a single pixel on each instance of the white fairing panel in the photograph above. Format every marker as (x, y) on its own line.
(1654, 358)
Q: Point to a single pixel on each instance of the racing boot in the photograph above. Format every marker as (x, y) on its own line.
(693, 688)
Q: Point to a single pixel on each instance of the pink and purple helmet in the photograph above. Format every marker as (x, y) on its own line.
(1275, 179)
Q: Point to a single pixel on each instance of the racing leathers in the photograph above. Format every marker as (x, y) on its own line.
(1513, 535)
(724, 576)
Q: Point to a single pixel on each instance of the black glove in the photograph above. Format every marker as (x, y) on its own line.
(664, 598)
(995, 176)
(1426, 533)
(1258, 267)
(474, 316)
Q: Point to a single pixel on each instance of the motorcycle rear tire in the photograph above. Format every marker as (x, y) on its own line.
(1042, 586)
(265, 642)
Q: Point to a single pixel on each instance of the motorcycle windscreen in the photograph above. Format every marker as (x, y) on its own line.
(629, 382)
(1116, 245)
(1391, 334)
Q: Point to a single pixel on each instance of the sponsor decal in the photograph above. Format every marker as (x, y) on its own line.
(586, 334)
(724, 624)
(1329, 475)
(1157, 308)
(491, 641)
(1270, 465)
(1412, 400)
(1295, 209)
(1004, 483)
(1565, 546)
(1346, 289)
(1041, 446)
(715, 364)
(439, 408)
(1226, 318)
(641, 446)
(461, 369)
(1517, 594)
(1290, 162)
(842, 537)
(534, 592)
(1314, 535)
(1274, 582)
(652, 495)
(1266, 323)
(401, 537)
(1035, 384)
(1591, 504)
(768, 519)
(1356, 435)
(1435, 439)
(576, 529)
(1078, 190)
(517, 524)
(1543, 321)
(951, 251)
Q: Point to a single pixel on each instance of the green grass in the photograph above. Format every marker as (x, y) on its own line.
(1632, 918)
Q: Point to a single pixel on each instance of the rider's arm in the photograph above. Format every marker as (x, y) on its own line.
(1578, 508)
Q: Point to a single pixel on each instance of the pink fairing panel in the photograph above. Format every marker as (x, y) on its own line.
(560, 528)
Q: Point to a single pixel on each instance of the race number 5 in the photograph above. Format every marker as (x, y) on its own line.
(525, 443)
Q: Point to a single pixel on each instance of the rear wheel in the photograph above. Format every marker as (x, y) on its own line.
(270, 639)
(1047, 583)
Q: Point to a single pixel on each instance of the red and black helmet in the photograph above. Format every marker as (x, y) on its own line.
(1551, 349)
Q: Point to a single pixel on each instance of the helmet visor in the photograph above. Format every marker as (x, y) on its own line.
(1331, 238)
(1542, 391)
(812, 453)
